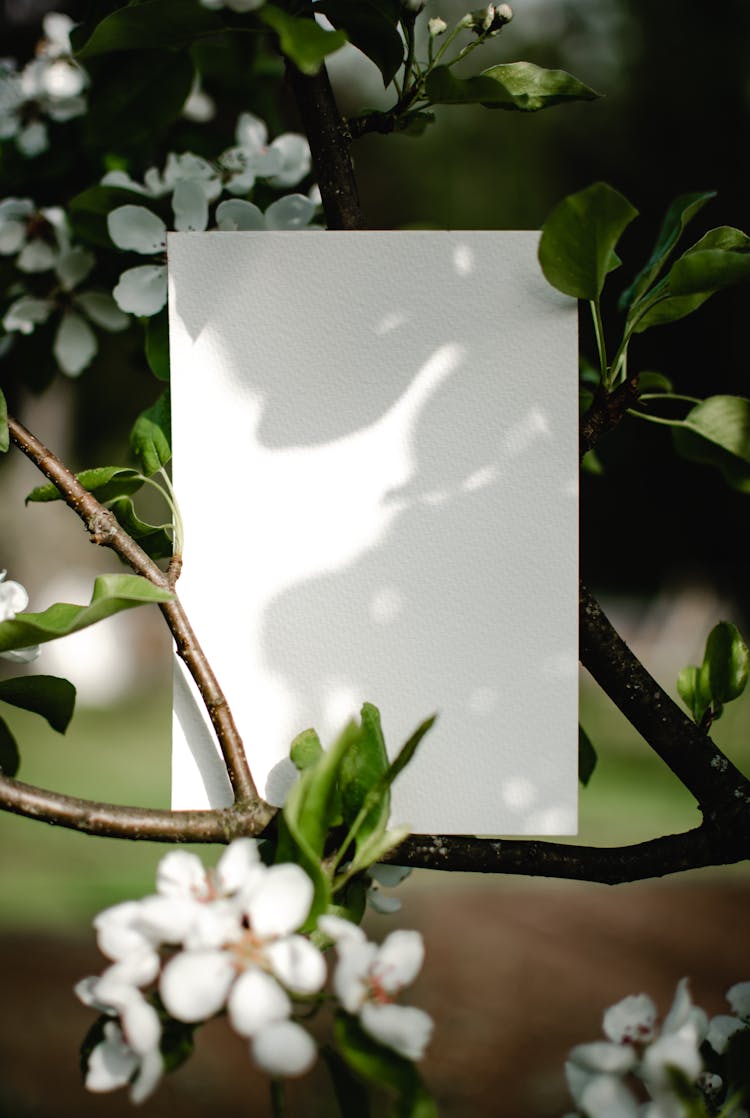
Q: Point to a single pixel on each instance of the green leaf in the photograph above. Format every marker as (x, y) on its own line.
(690, 691)
(10, 758)
(591, 463)
(302, 40)
(363, 765)
(654, 382)
(135, 96)
(306, 750)
(151, 436)
(587, 757)
(88, 211)
(378, 845)
(313, 805)
(104, 482)
(725, 421)
(4, 433)
(157, 345)
(112, 594)
(735, 471)
(370, 30)
(518, 86)
(153, 25)
(155, 539)
(383, 1067)
(720, 259)
(726, 662)
(680, 213)
(49, 695)
(579, 238)
(668, 303)
(352, 1095)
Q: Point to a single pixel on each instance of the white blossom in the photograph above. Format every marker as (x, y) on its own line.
(75, 342)
(293, 211)
(368, 979)
(129, 1052)
(50, 85)
(723, 1027)
(13, 600)
(36, 237)
(283, 162)
(436, 26)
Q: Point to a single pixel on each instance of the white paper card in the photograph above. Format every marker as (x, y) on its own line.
(376, 458)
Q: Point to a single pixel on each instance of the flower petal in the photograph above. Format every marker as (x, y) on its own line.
(103, 310)
(298, 964)
(251, 132)
(295, 159)
(112, 1063)
(33, 139)
(738, 997)
(403, 1028)
(137, 229)
(340, 930)
(632, 1019)
(12, 236)
(14, 598)
(195, 984)
(256, 1001)
(142, 290)
(284, 1049)
(399, 960)
(117, 932)
(382, 903)
(167, 919)
(190, 207)
(293, 211)
(606, 1096)
(36, 255)
(214, 924)
(75, 344)
(721, 1029)
(387, 875)
(149, 1074)
(281, 901)
(352, 973)
(181, 874)
(73, 266)
(238, 865)
(26, 313)
(670, 1052)
(604, 1056)
(236, 214)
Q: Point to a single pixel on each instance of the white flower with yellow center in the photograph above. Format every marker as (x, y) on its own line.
(368, 979)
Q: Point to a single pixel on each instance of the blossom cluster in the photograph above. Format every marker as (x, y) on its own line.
(663, 1059)
(228, 941)
(14, 599)
(50, 86)
(40, 241)
(194, 184)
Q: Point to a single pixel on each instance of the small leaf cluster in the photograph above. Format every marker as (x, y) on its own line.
(720, 678)
(335, 819)
(578, 253)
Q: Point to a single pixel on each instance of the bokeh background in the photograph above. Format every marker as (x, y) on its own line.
(517, 971)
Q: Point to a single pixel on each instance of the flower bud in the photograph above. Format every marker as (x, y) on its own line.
(437, 26)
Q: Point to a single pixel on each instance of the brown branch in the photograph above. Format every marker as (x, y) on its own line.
(605, 413)
(104, 530)
(613, 865)
(720, 789)
(329, 141)
(119, 821)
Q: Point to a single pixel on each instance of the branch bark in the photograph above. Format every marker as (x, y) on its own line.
(118, 821)
(104, 530)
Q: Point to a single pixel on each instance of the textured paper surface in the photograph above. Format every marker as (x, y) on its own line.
(375, 455)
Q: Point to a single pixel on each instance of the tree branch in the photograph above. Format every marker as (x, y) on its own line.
(606, 412)
(720, 789)
(329, 141)
(104, 530)
(611, 865)
(118, 821)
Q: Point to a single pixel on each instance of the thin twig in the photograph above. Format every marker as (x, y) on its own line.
(104, 530)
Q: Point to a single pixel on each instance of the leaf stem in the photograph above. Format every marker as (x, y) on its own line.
(277, 1098)
(596, 314)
